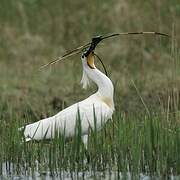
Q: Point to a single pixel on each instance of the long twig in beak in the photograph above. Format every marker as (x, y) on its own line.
(68, 54)
(101, 63)
(93, 44)
(135, 33)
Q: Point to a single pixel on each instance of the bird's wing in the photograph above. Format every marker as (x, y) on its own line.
(88, 111)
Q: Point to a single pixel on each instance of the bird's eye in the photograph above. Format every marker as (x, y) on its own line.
(83, 56)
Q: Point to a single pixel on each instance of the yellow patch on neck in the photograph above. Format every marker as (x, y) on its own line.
(108, 101)
(90, 60)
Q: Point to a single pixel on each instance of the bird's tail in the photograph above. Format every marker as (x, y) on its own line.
(24, 138)
(27, 139)
(21, 129)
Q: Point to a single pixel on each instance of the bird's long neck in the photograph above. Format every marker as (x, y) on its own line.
(105, 87)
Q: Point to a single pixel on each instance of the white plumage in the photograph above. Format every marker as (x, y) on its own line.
(99, 104)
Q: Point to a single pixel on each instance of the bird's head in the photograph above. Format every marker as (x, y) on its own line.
(88, 56)
(88, 60)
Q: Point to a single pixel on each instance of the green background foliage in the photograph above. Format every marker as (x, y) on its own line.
(34, 32)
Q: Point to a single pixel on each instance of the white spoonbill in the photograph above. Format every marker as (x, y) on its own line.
(99, 105)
